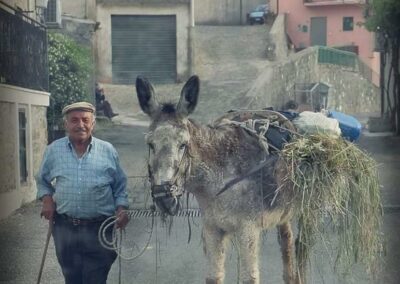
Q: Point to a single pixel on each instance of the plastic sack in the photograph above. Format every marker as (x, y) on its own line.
(309, 122)
(351, 128)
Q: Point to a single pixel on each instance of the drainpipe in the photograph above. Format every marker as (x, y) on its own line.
(192, 13)
(382, 81)
(190, 40)
(241, 12)
(277, 7)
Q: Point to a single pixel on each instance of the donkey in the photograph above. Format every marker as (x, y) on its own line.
(184, 155)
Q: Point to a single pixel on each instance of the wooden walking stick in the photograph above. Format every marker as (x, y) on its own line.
(46, 246)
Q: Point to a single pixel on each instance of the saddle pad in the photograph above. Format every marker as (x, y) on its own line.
(279, 131)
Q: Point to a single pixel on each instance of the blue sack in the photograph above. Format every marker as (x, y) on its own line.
(350, 126)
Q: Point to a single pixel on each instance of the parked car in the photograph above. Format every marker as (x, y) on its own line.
(258, 15)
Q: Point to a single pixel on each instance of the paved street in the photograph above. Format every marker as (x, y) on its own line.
(169, 258)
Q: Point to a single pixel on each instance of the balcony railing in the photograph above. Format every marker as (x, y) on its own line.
(23, 50)
(333, 2)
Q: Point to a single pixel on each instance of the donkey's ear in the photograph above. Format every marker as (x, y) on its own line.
(190, 93)
(146, 97)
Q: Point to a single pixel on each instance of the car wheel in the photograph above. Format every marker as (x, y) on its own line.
(251, 22)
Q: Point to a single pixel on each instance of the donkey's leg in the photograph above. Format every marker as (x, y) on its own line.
(214, 246)
(248, 240)
(285, 239)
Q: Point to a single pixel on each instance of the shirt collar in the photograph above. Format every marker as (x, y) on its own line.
(90, 146)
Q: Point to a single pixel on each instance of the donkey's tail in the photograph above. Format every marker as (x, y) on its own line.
(303, 245)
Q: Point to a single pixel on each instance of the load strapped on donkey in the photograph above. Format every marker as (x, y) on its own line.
(334, 177)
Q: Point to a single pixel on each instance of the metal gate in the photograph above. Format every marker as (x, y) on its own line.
(143, 45)
(318, 31)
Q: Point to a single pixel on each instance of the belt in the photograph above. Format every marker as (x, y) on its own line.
(81, 221)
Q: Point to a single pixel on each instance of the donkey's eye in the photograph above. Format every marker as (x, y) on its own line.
(182, 146)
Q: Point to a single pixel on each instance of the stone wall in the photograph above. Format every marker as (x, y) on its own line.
(277, 48)
(349, 92)
(81, 30)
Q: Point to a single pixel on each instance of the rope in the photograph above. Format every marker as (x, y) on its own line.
(116, 245)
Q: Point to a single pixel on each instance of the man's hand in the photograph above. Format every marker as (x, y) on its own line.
(48, 207)
(122, 217)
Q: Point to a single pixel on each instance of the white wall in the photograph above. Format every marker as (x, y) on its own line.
(12, 193)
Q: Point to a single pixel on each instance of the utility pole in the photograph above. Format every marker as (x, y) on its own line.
(241, 12)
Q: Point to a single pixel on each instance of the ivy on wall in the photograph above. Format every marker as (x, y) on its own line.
(70, 67)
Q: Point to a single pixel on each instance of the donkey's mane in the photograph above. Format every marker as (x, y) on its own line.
(168, 107)
(167, 112)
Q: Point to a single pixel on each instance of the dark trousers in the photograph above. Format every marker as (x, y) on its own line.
(82, 258)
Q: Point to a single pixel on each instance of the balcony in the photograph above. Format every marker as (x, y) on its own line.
(315, 3)
(23, 50)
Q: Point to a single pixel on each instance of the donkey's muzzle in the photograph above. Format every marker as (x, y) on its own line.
(166, 198)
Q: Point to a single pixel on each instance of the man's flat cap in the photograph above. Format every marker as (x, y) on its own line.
(82, 106)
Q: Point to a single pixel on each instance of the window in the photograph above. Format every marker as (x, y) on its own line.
(348, 24)
(23, 169)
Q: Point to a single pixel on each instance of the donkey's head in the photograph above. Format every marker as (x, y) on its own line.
(169, 141)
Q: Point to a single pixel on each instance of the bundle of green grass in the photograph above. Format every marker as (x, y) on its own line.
(337, 183)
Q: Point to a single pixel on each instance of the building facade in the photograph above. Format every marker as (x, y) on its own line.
(333, 23)
(148, 38)
(24, 98)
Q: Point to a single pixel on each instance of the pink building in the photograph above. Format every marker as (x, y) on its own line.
(334, 23)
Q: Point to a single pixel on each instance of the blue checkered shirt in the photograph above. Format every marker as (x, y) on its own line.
(86, 187)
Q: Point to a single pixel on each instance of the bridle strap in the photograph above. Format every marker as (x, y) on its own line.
(255, 169)
(178, 169)
(176, 176)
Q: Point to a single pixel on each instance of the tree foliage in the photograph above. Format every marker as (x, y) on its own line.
(385, 19)
(70, 67)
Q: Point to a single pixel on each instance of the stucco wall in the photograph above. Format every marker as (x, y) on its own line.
(76, 8)
(82, 31)
(8, 137)
(350, 92)
(39, 137)
(103, 35)
(34, 103)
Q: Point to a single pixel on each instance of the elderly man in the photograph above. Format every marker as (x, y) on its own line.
(81, 184)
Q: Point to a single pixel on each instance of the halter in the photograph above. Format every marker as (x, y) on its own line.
(170, 190)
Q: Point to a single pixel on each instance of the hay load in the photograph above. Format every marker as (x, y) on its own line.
(336, 182)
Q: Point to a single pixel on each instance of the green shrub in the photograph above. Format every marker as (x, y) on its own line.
(70, 67)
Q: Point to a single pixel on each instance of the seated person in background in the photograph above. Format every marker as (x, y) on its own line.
(296, 107)
(102, 104)
(291, 106)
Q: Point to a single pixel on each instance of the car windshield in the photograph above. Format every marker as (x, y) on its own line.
(260, 8)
